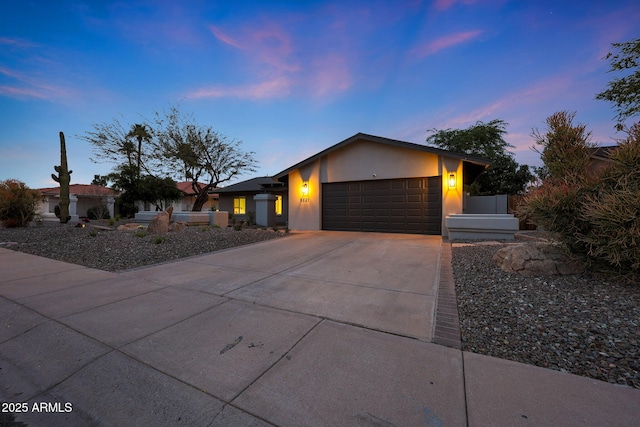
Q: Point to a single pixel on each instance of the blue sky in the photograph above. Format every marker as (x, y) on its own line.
(291, 78)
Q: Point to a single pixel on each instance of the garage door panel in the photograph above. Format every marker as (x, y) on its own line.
(409, 205)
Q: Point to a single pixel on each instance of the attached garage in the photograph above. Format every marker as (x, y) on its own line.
(404, 205)
(370, 183)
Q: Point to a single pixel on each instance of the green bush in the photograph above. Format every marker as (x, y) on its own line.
(612, 211)
(597, 217)
(18, 203)
(159, 239)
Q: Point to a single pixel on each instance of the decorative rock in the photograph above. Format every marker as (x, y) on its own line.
(177, 226)
(160, 222)
(131, 226)
(536, 259)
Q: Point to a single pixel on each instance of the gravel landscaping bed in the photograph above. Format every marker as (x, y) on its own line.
(112, 250)
(578, 324)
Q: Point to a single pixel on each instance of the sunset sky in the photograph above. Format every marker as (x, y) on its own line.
(291, 78)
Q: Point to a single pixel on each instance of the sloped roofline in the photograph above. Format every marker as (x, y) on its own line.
(388, 141)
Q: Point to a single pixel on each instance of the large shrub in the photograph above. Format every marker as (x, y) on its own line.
(612, 210)
(18, 203)
(597, 215)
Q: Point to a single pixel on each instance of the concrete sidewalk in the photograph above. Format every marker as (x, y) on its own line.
(322, 328)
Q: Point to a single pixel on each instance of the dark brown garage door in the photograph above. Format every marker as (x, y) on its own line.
(408, 205)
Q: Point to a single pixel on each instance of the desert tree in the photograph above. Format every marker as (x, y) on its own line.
(624, 92)
(504, 175)
(188, 151)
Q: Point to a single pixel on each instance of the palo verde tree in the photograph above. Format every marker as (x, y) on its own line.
(504, 175)
(624, 92)
(186, 150)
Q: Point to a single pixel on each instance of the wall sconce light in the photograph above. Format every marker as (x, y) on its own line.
(304, 192)
(452, 180)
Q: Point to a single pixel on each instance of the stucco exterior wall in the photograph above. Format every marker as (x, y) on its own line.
(364, 160)
(361, 160)
(451, 196)
(305, 213)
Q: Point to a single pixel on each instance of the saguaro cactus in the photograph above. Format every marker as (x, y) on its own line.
(63, 178)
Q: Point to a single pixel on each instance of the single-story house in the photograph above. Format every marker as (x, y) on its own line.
(82, 197)
(365, 183)
(185, 203)
(240, 200)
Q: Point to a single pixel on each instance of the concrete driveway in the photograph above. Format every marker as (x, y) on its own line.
(322, 328)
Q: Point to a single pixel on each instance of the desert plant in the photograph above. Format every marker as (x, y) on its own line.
(596, 216)
(612, 210)
(18, 203)
(140, 233)
(251, 218)
(93, 233)
(158, 239)
(63, 178)
(98, 212)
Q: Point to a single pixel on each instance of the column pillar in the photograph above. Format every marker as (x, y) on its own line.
(265, 209)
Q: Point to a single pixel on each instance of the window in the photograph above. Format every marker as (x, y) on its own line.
(278, 205)
(240, 205)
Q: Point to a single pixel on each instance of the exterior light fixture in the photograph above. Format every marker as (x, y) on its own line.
(452, 180)
(304, 192)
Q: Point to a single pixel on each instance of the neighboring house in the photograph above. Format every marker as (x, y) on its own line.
(240, 199)
(371, 183)
(82, 197)
(600, 158)
(186, 202)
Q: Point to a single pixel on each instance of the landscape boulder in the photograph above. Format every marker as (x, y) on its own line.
(131, 226)
(177, 226)
(160, 223)
(536, 259)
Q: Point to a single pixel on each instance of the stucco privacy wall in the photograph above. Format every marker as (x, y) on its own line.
(366, 160)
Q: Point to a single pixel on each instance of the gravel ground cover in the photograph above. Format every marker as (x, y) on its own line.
(112, 250)
(578, 324)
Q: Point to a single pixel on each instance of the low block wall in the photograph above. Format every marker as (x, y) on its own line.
(481, 226)
(191, 218)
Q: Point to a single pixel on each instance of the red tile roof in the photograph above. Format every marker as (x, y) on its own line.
(81, 190)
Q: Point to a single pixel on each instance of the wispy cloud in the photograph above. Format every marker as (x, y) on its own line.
(224, 38)
(276, 66)
(446, 4)
(276, 88)
(444, 42)
(331, 74)
(14, 42)
(25, 85)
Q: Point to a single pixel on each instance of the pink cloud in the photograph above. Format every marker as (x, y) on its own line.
(446, 4)
(32, 87)
(15, 42)
(270, 45)
(224, 38)
(275, 88)
(331, 74)
(445, 42)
